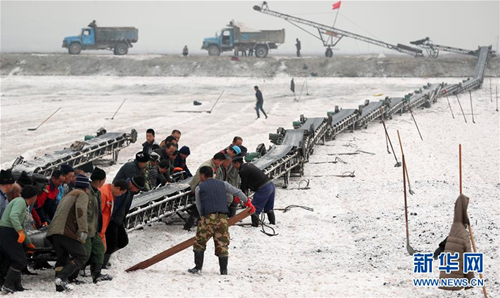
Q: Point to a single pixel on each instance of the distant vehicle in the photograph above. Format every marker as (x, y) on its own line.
(236, 38)
(118, 39)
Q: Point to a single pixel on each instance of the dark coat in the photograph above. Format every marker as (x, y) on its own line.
(259, 96)
(121, 207)
(252, 177)
(128, 171)
(180, 162)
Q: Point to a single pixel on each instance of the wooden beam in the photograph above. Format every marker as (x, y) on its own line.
(182, 246)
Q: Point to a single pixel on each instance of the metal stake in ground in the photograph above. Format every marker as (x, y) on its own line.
(398, 164)
(112, 118)
(410, 249)
(415, 121)
(405, 166)
(210, 112)
(33, 129)
(461, 108)
(449, 104)
(496, 93)
(471, 109)
(386, 141)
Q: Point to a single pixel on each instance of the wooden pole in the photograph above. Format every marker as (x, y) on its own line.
(460, 165)
(475, 250)
(406, 202)
(182, 246)
(404, 165)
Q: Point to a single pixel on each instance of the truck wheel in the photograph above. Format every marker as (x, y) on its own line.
(261, 52)
(121, 49)
(213, 51)
(75, 48)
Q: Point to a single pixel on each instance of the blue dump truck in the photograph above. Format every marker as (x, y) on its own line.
(118, 39)
(240, 39)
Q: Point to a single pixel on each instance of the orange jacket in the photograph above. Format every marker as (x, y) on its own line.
(107, 201)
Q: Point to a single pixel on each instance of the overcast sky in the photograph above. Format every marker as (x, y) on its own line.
(165, 27)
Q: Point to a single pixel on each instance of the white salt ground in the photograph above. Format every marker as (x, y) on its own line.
(352, 245)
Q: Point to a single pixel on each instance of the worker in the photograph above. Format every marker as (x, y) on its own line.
(252, 178)
(93, 24)
(259, 103)
(250, 52)
(133, 168)
(68, 232)
(12, 238)
(211, 203)
(6, 185)
(185, 51)
(299, 47)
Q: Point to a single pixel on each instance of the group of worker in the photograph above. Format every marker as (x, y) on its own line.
(84, 217)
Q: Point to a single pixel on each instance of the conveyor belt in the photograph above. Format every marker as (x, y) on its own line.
(369, 113)
(146, 197)
(292, 139)
(108, 143)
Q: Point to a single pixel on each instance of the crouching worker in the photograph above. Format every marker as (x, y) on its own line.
(68, 232)
(12, 238)
(211, 202)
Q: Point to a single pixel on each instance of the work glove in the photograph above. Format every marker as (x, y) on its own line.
(237, 200)
(22, 236)
(45, 224)
(249, 204)
(30, 248)
(83, 236)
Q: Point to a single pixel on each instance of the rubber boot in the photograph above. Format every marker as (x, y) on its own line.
(95, 270)
(62, 277)
(198, 261)
(10, 281)
(255, 220)
(105, 262)
(271, 217)
(18, 285)
(223, 264)
(232, 211)
(189, 223)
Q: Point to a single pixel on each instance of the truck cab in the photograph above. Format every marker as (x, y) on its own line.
(76, 43)
(220, 43)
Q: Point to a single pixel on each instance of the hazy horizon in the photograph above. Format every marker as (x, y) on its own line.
(165, 27)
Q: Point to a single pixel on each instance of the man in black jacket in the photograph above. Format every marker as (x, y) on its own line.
(260, 102)
(150, 144)
(133, 168)
(252, 178)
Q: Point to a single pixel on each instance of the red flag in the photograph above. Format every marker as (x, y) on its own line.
(336, 5)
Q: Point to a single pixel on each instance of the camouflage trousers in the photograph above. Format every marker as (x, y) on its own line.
(216, 226)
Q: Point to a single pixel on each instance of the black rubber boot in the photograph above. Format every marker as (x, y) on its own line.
(95, 270)
(63, 276)
(198, 261)
(105, 262)
(255, 220)
(10, 281)
(271, 217)
(223, 264)
(18, 285)
(189, 223)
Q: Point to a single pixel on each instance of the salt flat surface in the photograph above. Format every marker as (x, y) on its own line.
(352, 245)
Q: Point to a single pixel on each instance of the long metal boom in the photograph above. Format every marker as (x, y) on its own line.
(332, 31)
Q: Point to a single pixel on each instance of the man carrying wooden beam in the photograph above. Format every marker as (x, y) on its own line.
(211, 202)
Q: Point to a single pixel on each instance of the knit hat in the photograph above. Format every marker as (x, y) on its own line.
(141, 157)
(139, 182)
(6, 177)
(24, 180)
(98, 174)
(29, 192)
(65, 169)
(236, 149)
(185, 150)
(153, 156)
(238, 159)
(82, 181)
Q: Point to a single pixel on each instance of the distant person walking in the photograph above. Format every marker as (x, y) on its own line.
(299, 47)
(185, 51)
(250, 52)
(260, 102)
